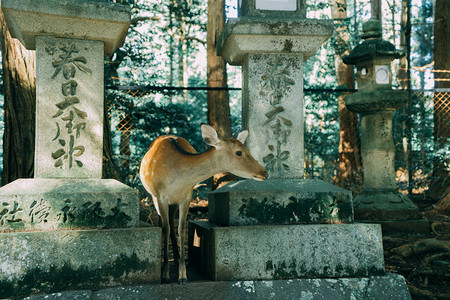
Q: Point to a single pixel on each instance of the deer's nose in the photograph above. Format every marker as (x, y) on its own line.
(265, 174)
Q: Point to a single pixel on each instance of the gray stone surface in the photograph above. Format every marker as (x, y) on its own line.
(51, 204)
(377, 151)
(376, 100)
(244, 36)
(280, 201)
(69, 108)
(90, 20)
(390, 286)
(272, 111)
(379, 205)
(285, 251)
(52, 261)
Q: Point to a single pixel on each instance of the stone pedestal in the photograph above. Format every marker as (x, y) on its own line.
(68, 228)
(285, 227)
(376, 101)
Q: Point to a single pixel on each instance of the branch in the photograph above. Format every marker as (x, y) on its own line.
(195, 39)
(137, 19)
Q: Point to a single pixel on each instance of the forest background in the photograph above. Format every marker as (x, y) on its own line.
(163, 80)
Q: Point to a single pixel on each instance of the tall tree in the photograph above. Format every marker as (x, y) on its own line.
(218, 100)
(375, 6)
(19, 81)
(404, 79)
(349, 172)
(441, 174)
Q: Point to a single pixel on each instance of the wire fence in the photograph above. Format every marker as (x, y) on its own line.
(421, 130)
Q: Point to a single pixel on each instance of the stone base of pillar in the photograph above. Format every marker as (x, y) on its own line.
(280, 201)
(56, 204)
(61, 234)
(53, 261)
(269, 252)
(394, 211)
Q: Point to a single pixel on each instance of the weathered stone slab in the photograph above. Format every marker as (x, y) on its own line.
(69, 108)
(50, 204)
(272, 111)
(91, 20)
(280, 201)
(256, 36)
(390, 286)
(286, 251)
(52, 261)
(385, 205)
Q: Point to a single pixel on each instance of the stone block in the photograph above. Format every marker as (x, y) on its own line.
(90, 20)
(51, 204)
(385, 205)
(53, 261)
(280, 201)
(69, 108)
(286, 251)
(274, 116)
(255, 36)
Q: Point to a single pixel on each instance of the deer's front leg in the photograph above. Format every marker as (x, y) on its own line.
(184, 208)
(164, 214)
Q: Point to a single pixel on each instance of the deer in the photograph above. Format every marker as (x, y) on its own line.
(172, 167)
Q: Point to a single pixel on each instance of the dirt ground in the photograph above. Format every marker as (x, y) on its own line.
(424, 261)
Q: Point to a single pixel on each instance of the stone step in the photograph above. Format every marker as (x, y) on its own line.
(280, 201)
(264, 252)
(52, 261)
(52, 204)
(390, 286)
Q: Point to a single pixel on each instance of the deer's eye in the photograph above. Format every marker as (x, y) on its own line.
(239, 153)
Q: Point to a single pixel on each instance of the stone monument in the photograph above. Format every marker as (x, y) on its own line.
(285, 227)
(376, 101)
(67, 228)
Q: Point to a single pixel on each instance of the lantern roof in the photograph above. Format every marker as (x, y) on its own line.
(372, 46)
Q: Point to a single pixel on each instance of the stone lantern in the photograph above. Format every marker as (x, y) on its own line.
(270, 230)
(376, 102)
(67, 227)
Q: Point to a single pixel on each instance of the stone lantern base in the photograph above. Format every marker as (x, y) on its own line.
(62, 234)
(395, 212)
(284, 231)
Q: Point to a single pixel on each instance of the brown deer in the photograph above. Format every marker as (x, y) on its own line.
(170, 170)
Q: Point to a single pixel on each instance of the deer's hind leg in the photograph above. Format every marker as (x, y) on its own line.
(164, 214)
(173, 238)
(184, 208)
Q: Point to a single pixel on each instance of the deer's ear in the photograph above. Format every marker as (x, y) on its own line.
(242, 136)
(209, 135)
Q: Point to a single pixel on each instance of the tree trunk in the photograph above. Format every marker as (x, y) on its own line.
(404, 78)
(349, 171)
(19, 80)
(441, 175)
(218, 100)
(376, 9)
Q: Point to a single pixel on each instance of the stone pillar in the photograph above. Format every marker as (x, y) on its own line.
(285, 227)
(67, 227)
(376, 101)
(69, 108)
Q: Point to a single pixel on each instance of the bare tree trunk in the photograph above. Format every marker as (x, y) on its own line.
(404, 78)
(19, 80)
(218, 100)
(376, 9)
(349, 172)
(441, 175)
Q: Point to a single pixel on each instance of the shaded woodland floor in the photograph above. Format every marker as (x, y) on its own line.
(424, 261)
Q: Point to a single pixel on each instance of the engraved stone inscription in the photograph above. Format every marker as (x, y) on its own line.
(68, 116)
(276, 82)
(10, 212)
(69, 108)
